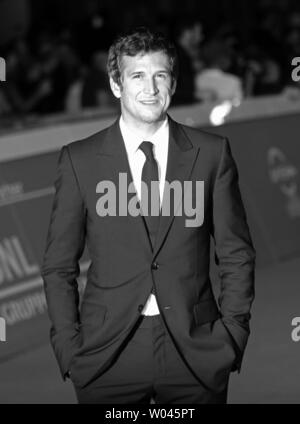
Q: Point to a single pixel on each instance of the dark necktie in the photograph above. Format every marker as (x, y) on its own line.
(150, 196)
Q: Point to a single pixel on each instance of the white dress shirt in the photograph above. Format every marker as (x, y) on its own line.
(136, 159)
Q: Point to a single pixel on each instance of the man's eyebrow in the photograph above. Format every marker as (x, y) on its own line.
(159, 71)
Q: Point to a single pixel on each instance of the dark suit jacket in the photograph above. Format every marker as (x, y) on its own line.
(211, 338)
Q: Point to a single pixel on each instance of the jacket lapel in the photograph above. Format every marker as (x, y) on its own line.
(181, 158)
(113, 151)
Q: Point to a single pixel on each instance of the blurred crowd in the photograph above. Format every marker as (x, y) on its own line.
(65, 71)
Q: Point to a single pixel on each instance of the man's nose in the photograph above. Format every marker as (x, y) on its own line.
(150, 86)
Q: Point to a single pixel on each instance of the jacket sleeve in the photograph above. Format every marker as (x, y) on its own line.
(235, 254)
(60, 267)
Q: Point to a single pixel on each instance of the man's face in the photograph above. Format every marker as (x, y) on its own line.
(146, 88)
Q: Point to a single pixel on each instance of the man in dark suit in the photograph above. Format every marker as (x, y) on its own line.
(149, 325)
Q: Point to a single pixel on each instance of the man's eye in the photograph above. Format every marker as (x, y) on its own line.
(137, 76)
(163, 76)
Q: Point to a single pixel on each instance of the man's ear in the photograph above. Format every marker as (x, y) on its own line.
(115, 88)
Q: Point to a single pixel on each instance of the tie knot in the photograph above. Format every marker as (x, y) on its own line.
(147, 149)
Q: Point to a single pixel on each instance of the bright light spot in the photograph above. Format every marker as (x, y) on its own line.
(219, 113)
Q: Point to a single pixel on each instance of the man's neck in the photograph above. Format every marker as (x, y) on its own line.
(144, 130)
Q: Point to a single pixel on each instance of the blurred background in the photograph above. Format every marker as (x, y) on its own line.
(238, 77)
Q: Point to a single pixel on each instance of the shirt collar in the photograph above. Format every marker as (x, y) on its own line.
(132, 140)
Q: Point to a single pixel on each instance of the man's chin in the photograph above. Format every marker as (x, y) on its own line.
(152, 116)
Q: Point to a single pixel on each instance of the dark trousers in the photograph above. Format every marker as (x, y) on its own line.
(147, 368)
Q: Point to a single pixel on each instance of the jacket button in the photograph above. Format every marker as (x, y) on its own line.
(140, 308)
(155, 265)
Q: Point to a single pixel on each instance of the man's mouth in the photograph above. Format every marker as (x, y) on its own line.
(149, 102)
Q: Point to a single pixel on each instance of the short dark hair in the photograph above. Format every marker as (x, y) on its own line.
(141, 40)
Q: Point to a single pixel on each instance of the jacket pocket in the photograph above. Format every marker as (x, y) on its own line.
(206, 311)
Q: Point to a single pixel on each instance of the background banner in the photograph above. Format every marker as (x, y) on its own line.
(26, 194)
(267, 152)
